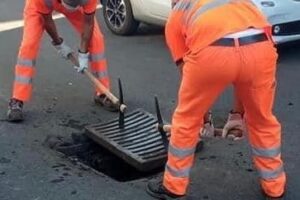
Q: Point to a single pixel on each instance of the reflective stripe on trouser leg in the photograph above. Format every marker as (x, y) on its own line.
(264, 131)
(98, 60)
(98, 67)
(25, 67)
(24, 72)
(200, 86)
(270, 169)
(98, 64)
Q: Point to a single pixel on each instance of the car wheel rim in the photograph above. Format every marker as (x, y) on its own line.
(116, 13)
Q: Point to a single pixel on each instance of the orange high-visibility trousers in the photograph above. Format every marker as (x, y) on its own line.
(251, 68)
(28, 52)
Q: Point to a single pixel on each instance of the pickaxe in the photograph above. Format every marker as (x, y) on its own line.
(164, 129)
(160, 126)
(119, 104)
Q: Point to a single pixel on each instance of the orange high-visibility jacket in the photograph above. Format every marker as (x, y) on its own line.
(193, 28)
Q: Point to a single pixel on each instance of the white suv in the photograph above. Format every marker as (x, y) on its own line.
(123, 16)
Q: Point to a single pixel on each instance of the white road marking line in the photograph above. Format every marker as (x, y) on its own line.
(10, 25)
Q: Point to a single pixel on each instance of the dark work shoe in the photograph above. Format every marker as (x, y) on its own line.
(106, 103)
(15, 113)
(156, 189)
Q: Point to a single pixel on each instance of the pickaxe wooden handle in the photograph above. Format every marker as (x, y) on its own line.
(217, 131)
(99, 85)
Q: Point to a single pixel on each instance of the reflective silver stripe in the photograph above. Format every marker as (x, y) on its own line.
(23, 79)
(102, 74)
(269, 153)
(182, 5)
(97, 57)
(26, 62)
(179, 173)
(271, 174)
(181, 153)
(206, 7)
(187, 15)
(49, 3)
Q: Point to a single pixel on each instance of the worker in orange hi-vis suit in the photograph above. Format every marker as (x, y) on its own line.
(215, 53)
(37, 18)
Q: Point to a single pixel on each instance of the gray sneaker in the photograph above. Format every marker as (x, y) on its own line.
(15, 113)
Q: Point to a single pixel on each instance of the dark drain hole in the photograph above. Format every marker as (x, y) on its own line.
(82, 149)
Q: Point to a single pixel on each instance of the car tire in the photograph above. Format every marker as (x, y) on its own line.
(118, 17)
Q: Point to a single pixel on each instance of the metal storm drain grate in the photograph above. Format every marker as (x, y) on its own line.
(138, 143)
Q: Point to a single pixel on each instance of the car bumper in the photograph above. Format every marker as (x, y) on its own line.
(285, 32)
(286, 29)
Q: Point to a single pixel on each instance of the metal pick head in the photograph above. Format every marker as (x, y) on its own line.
(121, 99)
(161, 124)
(158, 114)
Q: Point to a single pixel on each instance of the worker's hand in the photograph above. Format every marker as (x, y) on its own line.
(234, 127)
(63, 49)
(208, 130)
(83, 59)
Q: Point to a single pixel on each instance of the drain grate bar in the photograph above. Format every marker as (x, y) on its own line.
(138, 143)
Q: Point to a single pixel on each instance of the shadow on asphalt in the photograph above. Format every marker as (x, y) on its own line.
(148, 30)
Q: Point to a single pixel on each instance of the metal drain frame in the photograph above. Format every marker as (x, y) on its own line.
(138, 143)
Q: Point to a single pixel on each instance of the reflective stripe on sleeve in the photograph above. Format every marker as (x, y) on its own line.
(205, 8)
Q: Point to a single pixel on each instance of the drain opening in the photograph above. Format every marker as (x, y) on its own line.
(82, 149)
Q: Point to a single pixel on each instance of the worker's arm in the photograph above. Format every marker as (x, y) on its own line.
(59, 44)
(50, 28)
(86, 35)
(88, 28)
(175, 39)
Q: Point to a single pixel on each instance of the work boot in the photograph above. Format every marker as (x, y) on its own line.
(106, 103)
(15, 113)
(156, 189)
